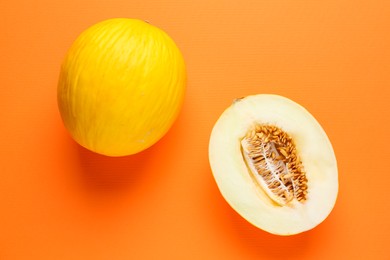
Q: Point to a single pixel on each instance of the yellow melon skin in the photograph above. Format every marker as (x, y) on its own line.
(121, 86)
(238, 188)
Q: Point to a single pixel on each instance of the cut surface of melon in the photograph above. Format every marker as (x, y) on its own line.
(274, 164)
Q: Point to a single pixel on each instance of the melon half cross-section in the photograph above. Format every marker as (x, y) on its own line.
(274, 164)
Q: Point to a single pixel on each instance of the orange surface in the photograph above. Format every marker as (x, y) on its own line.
(59, 201)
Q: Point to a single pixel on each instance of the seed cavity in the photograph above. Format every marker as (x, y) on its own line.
(274, 164)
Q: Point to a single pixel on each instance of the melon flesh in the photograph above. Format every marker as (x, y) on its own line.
(235, 183)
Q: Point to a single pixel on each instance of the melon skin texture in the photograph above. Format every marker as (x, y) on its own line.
(232, 176)
(121, 86)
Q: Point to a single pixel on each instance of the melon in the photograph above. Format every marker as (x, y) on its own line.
(274, 164)
(121, 86)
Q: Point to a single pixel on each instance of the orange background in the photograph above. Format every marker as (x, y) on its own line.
(59, 201)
